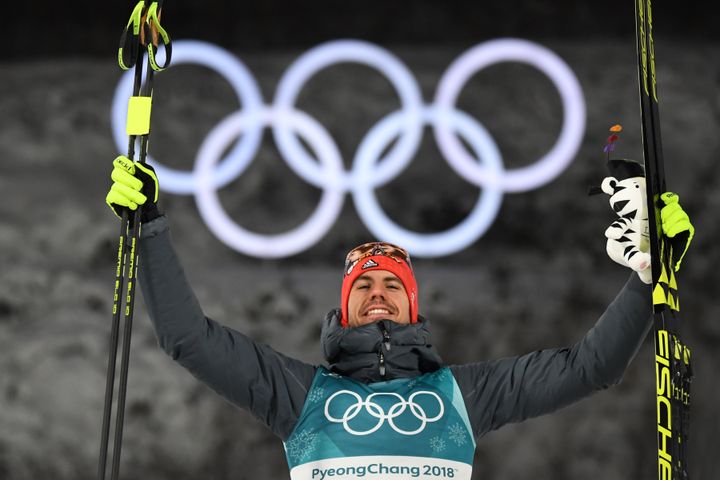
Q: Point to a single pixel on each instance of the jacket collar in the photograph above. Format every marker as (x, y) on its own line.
(354, 352)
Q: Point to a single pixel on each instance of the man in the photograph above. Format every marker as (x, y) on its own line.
(385, 405)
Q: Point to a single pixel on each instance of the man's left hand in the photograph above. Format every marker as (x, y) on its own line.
(676, 226)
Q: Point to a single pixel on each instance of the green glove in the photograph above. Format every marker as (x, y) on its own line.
(676, 226)
(134, 184)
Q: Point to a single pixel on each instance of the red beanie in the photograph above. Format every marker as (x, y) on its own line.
(379, 256)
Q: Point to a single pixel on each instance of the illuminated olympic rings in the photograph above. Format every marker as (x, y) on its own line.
(481, 166)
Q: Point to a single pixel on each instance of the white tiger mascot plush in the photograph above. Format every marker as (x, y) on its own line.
(628, 238)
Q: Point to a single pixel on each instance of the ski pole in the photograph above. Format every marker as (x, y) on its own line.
(143, 29)
(672, 358)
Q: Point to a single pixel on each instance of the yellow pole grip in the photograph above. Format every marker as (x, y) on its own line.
(138, 116)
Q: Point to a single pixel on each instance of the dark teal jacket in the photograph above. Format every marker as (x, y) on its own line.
(273, 387)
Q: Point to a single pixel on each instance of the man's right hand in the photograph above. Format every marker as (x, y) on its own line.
(134, 184)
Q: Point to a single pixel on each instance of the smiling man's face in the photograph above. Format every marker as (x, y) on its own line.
(377, 295)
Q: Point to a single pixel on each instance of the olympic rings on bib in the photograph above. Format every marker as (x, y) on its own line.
(376, 411)
(374, 164)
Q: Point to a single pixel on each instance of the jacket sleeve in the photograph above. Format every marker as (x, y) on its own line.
(517, 388)
(271, 386)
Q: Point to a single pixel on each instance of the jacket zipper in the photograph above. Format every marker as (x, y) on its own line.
(386, 343)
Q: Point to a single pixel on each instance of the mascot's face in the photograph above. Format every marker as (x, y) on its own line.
(626, 196)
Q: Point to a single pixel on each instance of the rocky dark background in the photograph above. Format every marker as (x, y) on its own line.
(538, 278)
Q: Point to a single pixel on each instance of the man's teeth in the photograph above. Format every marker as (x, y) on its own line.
(378, 311)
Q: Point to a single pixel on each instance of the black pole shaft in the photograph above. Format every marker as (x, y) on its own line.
(133, 255)
(112, 348)
(131, 275)
(650, 124)
(122, 276)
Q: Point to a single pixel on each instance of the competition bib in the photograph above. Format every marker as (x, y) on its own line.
(399, 429)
